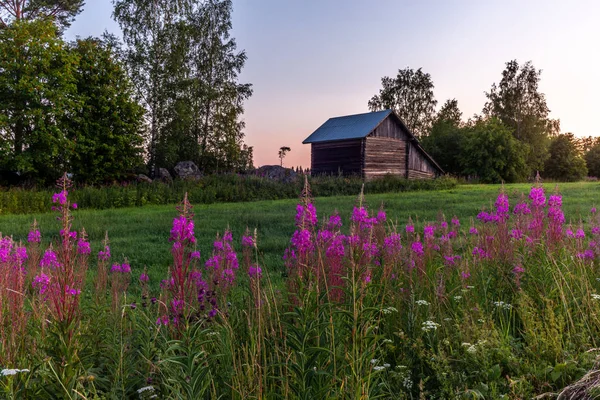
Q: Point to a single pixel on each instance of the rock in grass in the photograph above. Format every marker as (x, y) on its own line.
(277, 173)
(143, 178)
(164, 176)
(187, 170)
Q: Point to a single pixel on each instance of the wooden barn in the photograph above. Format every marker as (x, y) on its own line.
(370, 145)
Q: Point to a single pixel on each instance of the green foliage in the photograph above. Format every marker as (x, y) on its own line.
(592, 160)
(410, 95)
(37, 92)
(185, 67)
(446, 140)
(107, 127)
(517, 102)
(491, 153)
(565, 162)
(208, 190)
(61, 12)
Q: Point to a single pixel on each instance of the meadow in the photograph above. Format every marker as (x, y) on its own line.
(478, 291)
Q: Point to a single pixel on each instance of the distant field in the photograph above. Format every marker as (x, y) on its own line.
(141, 234)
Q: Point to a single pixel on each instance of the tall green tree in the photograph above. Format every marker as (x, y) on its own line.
(445, 141)
(410, 95)
(491, 153)
(107, 128)
(592, 160)
(565, 162)
(186, 66)
(519, 104)
(37, 91)
(61, 12)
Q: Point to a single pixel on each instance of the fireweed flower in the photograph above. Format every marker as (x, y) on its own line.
(49, 260)
(555, 200)
(593, 210)
(410, 229)
(247, 241)
(522, 209)
(104, 255)
(569, 233)
(516, 234)
(40, 283)
(144, 277)
(428, 231)
(473, 231)
(381, 216)
(360, 216)
(335, 221)
(34, 236)
(72, 292)
(465, 275)
(301, 239)
(60, 198)
(83, 247)
(74, 205)
(580, 234)
(417, 248)
(502, 206)
(391, 244)
(195, 255)
(306, 216)
(537, 197)
(72, 234)
(183, 230)
(254, 271)
(455, 221)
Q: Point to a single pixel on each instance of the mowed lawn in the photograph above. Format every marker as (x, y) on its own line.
(142, 234)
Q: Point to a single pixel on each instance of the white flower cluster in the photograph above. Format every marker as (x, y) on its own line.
(595, 296)
(389, 310)
(502, 305)
(428, 326)
(422, 302)
(9, 372)
(457, 298)
(472, 348)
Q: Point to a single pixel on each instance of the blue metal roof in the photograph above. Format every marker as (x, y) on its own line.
(349, 127)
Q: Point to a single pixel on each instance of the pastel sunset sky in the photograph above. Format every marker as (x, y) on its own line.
(309, 60)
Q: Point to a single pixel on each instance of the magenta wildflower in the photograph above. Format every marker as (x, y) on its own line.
(391, 244)
(428, 231)
(212, 313)
(183, 229)
(596, 230)
(335, 221)
(301, 239)
(381, 216)
(502, 206)
(465, 275)
(522, 209)
(473, 231)
(34, 236)
(41, 282)
(72, 291)
(360, 216)
(555, 200)
(580, 234)
(516, 234)
(247, 241)
(144, 277)
(569, 233)
(306, 216)
(254, 271)
(83, 247)
(537, 197)
(195, 255)
(49, 260)
(593, 210)
(74, 205)
(60, 198)
(417, 248)
(410, 229)
(455, 221)
(104, 255)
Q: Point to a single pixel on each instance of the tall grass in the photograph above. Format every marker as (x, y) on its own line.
(503, 305)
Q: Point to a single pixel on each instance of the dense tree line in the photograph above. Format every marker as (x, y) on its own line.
(512, 140)
(102, 109)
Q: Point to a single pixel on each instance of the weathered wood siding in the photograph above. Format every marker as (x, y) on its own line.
(384, 156)
(389, 128)
(419, 167)
(331, 158)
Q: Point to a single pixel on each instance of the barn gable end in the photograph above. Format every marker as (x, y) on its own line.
(370, 145)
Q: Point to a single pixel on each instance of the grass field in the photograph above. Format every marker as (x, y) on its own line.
(141, 234)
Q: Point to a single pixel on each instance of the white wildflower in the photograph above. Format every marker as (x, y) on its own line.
(481, 342)
(388, 341)
(9, 372)
(502, 305)
(428, 326)
(145, 389)
(422, 302)
(457, 298)
(472, 349)
(470, 287)
(447, 319)
(374, 361)
(466, 344)
(386, 365)
(595, 296)
(378, 368)
(389, 310)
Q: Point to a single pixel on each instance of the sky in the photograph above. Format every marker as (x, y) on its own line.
(309, 60)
